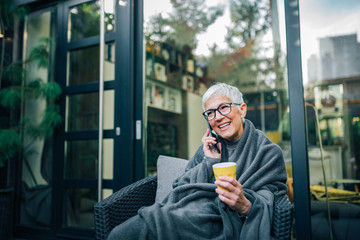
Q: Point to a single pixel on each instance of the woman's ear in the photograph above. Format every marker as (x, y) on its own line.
(243, 109)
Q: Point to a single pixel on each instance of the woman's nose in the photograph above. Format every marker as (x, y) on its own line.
(219, 116)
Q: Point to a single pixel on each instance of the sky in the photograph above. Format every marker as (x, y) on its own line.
(325, 18)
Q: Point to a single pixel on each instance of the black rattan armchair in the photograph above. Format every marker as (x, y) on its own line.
(125, 203)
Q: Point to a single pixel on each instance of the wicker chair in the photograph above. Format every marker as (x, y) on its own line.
(125, 203)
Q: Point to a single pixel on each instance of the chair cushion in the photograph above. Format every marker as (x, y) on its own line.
(168, 169)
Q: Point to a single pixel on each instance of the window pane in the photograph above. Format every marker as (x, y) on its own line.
(84, 19)
(83, 111)
(37, 161)
(109, 62)
(79, 207)
(108, 121)
(83, 66)
(331, 72)
(81, 158)
(108, 156)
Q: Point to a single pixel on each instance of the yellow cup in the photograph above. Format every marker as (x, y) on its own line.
(224, 169)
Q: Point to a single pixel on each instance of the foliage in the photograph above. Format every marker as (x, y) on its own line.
(247, 62)
(249, 18)
(21, 89)
(8, 11)
(9, 144)
(181, 26)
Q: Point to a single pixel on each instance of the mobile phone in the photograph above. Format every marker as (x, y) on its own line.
(213, 134)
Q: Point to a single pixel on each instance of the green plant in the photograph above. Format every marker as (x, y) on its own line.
(13, 98)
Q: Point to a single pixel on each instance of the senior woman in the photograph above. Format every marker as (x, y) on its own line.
(196, 208)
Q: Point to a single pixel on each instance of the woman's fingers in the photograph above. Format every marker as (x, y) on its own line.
(233, 196)
(208, 145)
(234, 188)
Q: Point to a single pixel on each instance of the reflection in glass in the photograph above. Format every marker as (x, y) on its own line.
(37, 157)
(81, 159)
(191, 45)
(83, 66)
(82, 112)
(109, 62)
(331, 71)
(84, 19)
(79, 207)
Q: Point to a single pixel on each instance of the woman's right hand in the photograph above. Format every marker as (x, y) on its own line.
(208, 147)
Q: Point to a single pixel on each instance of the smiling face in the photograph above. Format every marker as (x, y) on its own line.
(230, 126)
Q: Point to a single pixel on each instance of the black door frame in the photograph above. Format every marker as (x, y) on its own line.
(299, 153)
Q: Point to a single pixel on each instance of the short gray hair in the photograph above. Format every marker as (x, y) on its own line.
(231, 92)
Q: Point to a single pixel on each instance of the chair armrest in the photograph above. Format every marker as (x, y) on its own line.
(282, 219)
(122, 205)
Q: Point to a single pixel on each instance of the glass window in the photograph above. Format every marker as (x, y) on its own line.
(83, 111)
(81, 158)
(84, 19)
(109, 62)
(83, 65)
(331, 75)
(36, 174)
(79, 207)
(212, 43)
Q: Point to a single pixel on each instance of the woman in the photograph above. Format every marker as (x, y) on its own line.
(196, 208)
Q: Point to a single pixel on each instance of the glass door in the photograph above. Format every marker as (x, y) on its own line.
(79, 61)
(65, 169)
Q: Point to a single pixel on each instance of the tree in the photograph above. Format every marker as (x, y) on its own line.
(248, 62)
(249, 18)
(188, 19)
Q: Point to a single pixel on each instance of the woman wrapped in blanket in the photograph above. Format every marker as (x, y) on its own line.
(196, 208)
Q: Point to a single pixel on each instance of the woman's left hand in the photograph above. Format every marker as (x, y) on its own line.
(234, 197)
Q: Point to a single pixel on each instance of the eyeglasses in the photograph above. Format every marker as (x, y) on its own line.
(223, 109)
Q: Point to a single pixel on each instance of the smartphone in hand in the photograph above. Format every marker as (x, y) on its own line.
(213, 134)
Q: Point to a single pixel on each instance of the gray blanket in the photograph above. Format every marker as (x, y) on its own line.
(193, 210)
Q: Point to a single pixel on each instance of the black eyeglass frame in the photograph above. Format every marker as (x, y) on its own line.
(217, 109)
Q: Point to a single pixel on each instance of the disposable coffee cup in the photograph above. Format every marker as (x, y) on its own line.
(224, 169)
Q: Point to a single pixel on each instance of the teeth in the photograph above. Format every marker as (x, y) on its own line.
(224, 125)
